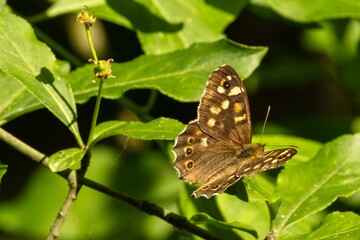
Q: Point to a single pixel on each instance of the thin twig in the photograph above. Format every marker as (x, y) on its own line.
(22, 147)
(174, 219)
(150, 208)
(65, 209)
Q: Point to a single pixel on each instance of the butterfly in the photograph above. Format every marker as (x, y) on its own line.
(216, 149)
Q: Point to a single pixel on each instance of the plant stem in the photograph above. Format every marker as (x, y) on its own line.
(88, 36)
(101, 83)
(96, 112)
(65, 209)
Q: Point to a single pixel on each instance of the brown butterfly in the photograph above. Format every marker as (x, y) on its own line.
(216, 148)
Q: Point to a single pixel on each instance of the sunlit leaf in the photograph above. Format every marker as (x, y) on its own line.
(172, 25)
(337, 225)
(65, 159)
(313, 185)
(254, 214)
(203, 218)
(26, 60)
(159, 129)
(171, 73)
(307, 11)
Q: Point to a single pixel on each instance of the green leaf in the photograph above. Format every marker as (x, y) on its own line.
(26, 60)
(307, 11)
(172, 78)
(65, 159)
(15, 99)
(186, 202)
(159, 129)
(254, 214)
(162, 26)
(171, 73)
(259, 188)
(337, 225)
(309, 187)
(100, 7)
(203, 218)
(165, 26)
(3, 169)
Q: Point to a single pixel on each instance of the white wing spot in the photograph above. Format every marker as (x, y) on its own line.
(229, 77)
(215, 110)
(257, 166)
(275, 160)
(221, 90)
(235, 91)
(225, 104)
(204, 142)
(247, 169)
(231, 177)
(211, 122)
(241, 118)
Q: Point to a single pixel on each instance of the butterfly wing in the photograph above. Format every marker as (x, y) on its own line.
(215, 186)
(216, 148)
(224, 111)
(250, 159)
(199, 156)
(260, 161)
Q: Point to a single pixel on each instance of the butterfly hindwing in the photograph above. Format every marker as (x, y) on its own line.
(198, 155)
(262, 161)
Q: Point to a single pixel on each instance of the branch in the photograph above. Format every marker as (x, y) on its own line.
(65, 209)
(39, 157)
(150, 208)
(174, 219)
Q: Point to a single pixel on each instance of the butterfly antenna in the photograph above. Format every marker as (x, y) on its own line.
(266, 118)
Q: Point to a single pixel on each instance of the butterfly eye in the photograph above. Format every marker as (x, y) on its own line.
(190, 140)
(189, 164)
(226, 85)
(188, 151)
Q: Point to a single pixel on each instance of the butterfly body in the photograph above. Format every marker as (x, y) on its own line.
(216, 148)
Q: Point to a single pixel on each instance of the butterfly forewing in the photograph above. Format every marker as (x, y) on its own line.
(224, 107)
(216, 149)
